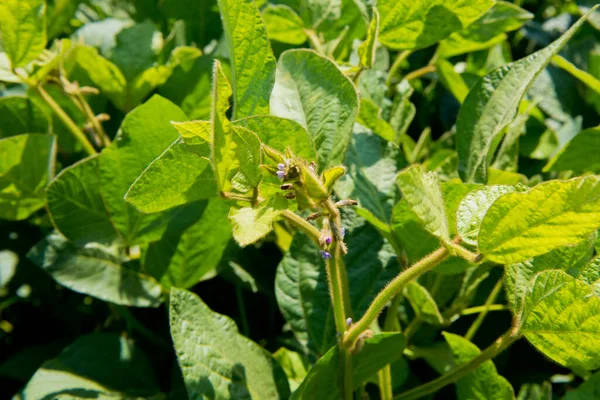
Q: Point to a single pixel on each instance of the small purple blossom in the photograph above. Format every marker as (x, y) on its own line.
(328, 240)
(343, 232)
(325, 255)
(348, 322)
(311, 168)
(280, 174)
(280, 167)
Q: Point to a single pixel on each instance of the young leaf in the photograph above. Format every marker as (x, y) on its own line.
(284, 25)
(377, 352)
(580, 153)
(252, 224)
(492, 104)
(423, 304)
(452, 80)
(76, 205)
(519, 226)
(21, 115)
(331, 176)
(23, 30)
(370, 117)
(409, 24)
(249, 156)
(312, 91)
(26, 166)
(93, 271)
(293, 365)
(252, 60)
(422, 192)
(484, 382)
(196, 135)
(217, 361)
(366, 51)
(562, 320)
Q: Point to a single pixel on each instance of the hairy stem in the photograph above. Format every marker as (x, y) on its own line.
(314, 41)
(479, 320)
(420, 72)
(384, 379)
(302, 224)
(479, 309)
(89, 113)
(393, 288)
(460, 371)
(66, 120)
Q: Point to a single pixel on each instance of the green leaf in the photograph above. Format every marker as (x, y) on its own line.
(216, 361)
(178, 176)
(182, 257)
(486, 31)
(331, 176)
(76, 205)
(135, 50)
(579, 154)
(222, 144)
(378, 351)
(588, 390)
(367, 49)
(562, 320)
(492, 104)
(293, 366)
(514, 229)
(423, 304)
(473, 208)
(408, 24)
(252, 224)
(252, 60)
(21, 115)
(484, 382)
(26, 167)
(589, 80)
(144, 135)
(423, 193)
(249, 156)
(95, 272)
(312, 91)
(23, 30)
(196, 135)
(284, 25)
(119, 370)
(370, 117)
(452, 80)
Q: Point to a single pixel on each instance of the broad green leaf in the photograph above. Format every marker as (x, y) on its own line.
(95, 272)
(249, 156)
(589, 80)
(252, 224)
(409, 24)
(142, 85)
(26, 167)
(119, 370)
(562, 320)
(515, 230)
(473, 208)
(367, 49)
(483, 383)
(588, 390)
(76, 205)
(492, 104)
(284, 25)
(135, 50)
(423, 304)
(312, 91)
(251, 57)
(486, 31)
(196, 135)
(590, 273)
(217, 361)
(377, 352)
(423, 193)
(579, 154)
(293, 366)
(178, 176)
(144, 135)
(184, 255)
(279, 133)
(370, 117)
(452, 80)
(23, 30)
(21, 115)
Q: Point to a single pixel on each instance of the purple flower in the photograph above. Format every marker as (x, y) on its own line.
(280, 174)
(343, 232)
(280, 167)
(325, 255)
(348, 322)
(328, 240)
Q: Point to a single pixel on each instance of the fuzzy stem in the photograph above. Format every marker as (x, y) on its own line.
(479, 309)
(384, 379)
(393, 288)
(460, 371)
(420, 72)
(302, 224)
(314, 41)
(87, 110)
(479, 320)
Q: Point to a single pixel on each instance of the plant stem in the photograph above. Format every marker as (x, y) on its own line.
(393, 288)
(302, 224)
(478, 309)
(314, 41)
(347, 373)
(62, 115)
(412, 328)
(396, 65)
(420, 72)
(462, 370)
(89, 113)
(479, 320)
(384, 379)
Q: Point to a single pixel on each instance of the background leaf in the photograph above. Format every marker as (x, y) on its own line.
(23, 30)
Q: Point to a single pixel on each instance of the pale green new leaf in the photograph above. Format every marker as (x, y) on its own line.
(221, 140)
(579, 154)
(196, 135)
(519, 226)
(311, 90)
(293, 365)
(23, 30)
(21, 115)
(249, 156)
(590, 274)
(215, 360)
(284, 25)
(178, 176)
(95, 272)
(473, 208)
(415, 24)
(423, 193)
(492, 104)
(252, 60)
(483, 383)
(423, 304)
(26, 167)
(370, 117)
(76, 205)
(367, 49)
(252, 224)
(562, 320)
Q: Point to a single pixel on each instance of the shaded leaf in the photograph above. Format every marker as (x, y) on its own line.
(21, 115)
(579, 154)
(423, 304)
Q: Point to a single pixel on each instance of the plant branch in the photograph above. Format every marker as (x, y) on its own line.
(479, 309)
(302, 224)
(403, 55)
(393, 288)
(489, 301)
(314, 41)
(420, 72)
(66, 120)
(460, 371)
(87, 110)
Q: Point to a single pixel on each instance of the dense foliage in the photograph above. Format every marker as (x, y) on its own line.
(307, 199)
